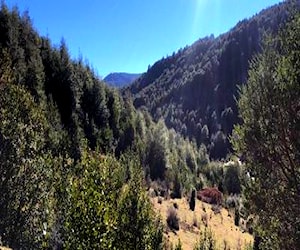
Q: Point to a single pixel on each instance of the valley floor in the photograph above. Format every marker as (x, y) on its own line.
(227, 235)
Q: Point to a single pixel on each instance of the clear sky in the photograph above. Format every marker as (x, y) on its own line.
(129, 35)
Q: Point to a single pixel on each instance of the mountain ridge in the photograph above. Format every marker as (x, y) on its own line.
(121, 79)
(194, 90)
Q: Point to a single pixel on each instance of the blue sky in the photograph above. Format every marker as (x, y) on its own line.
(127, 36)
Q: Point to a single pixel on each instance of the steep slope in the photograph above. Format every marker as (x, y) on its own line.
(120, 79)
(80, 108)
(194, 90)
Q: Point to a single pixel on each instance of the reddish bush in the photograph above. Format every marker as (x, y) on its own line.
(210, 195)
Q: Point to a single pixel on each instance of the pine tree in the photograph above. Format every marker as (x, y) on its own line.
(268, 139)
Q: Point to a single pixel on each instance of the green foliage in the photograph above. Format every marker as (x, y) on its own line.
(104, 212)
(25, 169)
(58, 124)
(268, 139)
(71, 147)
(178, 246)
(137, 227)
(5, 67)
(177, 187)
(232, 179)
(248, 246)
(91, 218)
(156, 157)
(206, 241)
(214, 172)
(169, 157)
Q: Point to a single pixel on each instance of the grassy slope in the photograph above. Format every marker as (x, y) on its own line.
(221, 225)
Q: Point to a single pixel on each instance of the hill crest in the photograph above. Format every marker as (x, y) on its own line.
(121, 79)
(194, 90)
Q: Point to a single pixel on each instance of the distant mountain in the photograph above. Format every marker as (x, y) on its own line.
(194, 90)
(120, 79)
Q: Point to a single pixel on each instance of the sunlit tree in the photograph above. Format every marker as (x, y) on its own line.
(269, 139)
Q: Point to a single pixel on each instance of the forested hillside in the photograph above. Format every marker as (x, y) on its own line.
(74, 154)
(79, 159)
(194, 90)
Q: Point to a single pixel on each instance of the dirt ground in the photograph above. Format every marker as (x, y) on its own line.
(227, 235)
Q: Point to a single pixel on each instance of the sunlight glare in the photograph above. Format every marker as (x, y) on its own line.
(200, 21)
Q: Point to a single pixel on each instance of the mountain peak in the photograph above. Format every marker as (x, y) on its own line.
(121, 79)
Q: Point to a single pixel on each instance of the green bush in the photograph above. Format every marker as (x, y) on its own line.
(232, 182)
(108, 212)
(269, 111)
(178, 246)
(25, 167)
(206, 241)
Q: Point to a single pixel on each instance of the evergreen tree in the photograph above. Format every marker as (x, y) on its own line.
(268, 139)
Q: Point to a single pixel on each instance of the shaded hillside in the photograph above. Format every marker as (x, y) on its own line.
(194, 90)
(120, 79)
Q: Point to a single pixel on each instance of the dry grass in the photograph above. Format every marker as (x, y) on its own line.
(221, 225)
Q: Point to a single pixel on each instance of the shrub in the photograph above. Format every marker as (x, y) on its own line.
(152, 193)
(232, 182)
(216, 209)
(236, 217)
(199, 184)
(175, 205)
(178, 246)
(232, 201)
(248, 246)
(177, 191)
(214, 173)
(192, 202)
(163, 193)
(206, 241)
(203, 208)
(26, 170)
(106, 212)
(195, 221)
(210, 195)
(249, 225)
(204, 219)
(172, 219)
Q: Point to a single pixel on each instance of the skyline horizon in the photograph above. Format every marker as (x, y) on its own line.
(151, 31)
